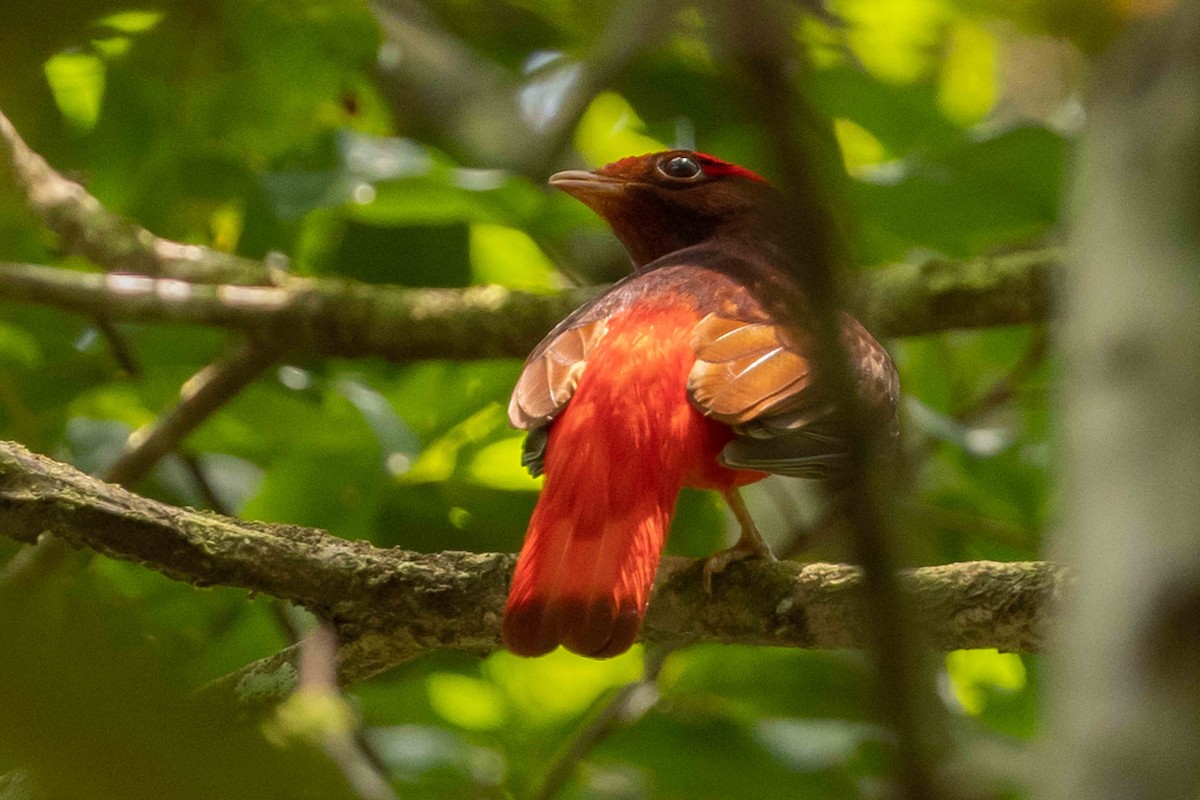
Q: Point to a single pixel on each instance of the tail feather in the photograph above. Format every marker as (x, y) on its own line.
(615, 460)
(584, 585)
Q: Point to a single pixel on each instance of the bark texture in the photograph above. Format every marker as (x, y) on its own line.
(1126, 706)
(391, 605)
(351, 319)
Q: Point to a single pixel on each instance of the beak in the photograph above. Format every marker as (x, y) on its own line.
(583, 185)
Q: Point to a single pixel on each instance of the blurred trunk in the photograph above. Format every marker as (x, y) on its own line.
(1125, 708)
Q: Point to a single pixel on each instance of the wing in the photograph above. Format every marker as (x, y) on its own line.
(758, 377)
(745, 369)
(553, 369)
(751, 372)
(552, 372)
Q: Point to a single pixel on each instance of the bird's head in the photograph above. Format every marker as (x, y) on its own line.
(662, 202)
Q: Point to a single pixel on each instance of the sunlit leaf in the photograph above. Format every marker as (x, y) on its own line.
(499, 465)
(967, 89)
(77, 81)
(975, 674)
(509, 257)
(467, 702)
(440, 459)
(610, 129)
(547, 690)
(19, 348)
(859, 147)
(896, 40)
(131, 21)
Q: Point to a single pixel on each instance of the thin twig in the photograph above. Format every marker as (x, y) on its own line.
(1003, 389)
(200, 396)
(317, 696)
(758, 45)
(30, 565)
(629, 704)
(199, 477)
(124, 355)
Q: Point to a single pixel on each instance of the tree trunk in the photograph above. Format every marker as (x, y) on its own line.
(1126, 693)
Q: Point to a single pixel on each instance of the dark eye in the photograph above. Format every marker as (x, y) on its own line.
(680, 167)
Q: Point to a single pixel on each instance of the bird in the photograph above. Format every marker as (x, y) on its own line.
(697, 369)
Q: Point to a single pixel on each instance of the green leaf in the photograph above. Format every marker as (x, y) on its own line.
(770, 681)
(974, 674)
(19, 348)
(77, 81)
(510, 257)
(467, 702)
(994, 191)
(546, 691)
(143, 737)
(610, 129)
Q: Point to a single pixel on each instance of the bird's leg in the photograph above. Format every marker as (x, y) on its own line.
(749, 545)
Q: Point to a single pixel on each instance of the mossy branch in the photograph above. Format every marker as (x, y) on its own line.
(86, 227)
(160, 281)
(391, 605)
(351, 319)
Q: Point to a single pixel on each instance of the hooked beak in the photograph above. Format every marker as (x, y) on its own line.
(582, 184)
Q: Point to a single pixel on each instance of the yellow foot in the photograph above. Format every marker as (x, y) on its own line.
(745, 548)
(749, 545)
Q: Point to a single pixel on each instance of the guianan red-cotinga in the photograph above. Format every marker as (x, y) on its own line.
(696, 370)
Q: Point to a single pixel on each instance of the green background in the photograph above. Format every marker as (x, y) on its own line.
(270, 126)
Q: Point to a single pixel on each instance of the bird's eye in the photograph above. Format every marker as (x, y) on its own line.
(680, 168)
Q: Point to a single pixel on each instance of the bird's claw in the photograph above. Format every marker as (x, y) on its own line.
(744, 548)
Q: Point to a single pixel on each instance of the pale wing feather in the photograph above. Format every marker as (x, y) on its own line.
(551, 375)
(743, 369)
(753, 376)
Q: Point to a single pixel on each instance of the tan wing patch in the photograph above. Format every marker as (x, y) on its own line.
(744, 369)
(551, 375)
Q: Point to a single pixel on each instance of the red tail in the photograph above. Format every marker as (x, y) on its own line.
(584, 575)
(616, 460)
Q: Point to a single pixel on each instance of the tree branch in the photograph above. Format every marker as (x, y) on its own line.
(329, 317)
(86, 227)
(391, 605)
(200, 397)
(349, 319)
(763, 56)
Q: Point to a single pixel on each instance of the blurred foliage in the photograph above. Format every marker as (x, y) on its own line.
(262, 126)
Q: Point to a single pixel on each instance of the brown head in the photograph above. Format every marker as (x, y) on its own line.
(662, 202)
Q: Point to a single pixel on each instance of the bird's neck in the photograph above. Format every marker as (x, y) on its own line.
(654, 237)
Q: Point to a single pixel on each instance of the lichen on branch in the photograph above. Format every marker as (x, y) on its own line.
(352, 319)
(391, 605)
